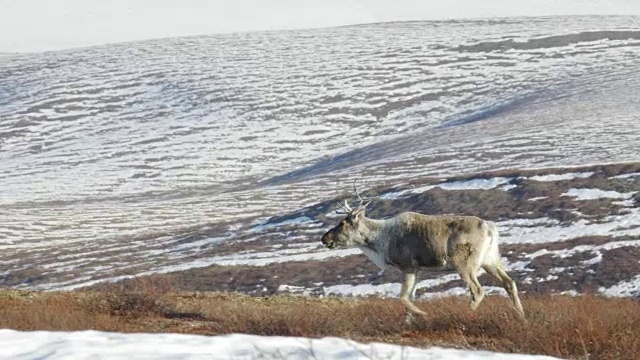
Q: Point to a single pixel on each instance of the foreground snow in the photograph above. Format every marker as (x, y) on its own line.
(105, 345)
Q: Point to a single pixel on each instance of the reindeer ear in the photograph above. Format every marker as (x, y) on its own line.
(357, 215)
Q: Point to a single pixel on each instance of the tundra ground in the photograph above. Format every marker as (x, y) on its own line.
(582, 327)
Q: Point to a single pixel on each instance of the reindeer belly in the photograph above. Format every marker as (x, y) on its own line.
(409, 259)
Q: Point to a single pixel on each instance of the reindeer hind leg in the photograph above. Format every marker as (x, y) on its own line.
(467, 263)
(471, 279)
(507, 283)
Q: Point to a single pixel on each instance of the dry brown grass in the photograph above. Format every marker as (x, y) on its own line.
(586, 327)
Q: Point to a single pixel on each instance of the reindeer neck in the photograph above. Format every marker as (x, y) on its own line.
(374, 228)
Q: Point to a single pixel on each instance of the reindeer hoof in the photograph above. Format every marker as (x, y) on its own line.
(412, 318)
(408, 320)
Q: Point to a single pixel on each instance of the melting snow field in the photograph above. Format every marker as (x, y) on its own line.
(114, 156)
(105, 345)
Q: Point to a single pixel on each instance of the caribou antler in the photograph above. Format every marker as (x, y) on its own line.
(346, 209)
(360, 199)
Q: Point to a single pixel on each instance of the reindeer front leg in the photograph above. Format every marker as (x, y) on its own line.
(407, 294)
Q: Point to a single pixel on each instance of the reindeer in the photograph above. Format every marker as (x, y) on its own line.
(410, 241)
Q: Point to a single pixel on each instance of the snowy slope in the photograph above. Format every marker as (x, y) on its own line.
(105, 345)
(113, 157)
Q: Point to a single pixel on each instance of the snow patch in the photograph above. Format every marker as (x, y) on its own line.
(561, 177)
(626, 176)
(398, 194)
(386, 289)
(472, 184)
(593, 194)
(292, 289)
(543, 230)
(475, 184)
(264, 225)
(630, 288)
(461, 291)
(112, 345)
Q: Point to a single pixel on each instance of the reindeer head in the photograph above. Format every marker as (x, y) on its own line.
(348, 232)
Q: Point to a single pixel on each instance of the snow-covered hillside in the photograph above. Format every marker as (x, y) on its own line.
(168, 154)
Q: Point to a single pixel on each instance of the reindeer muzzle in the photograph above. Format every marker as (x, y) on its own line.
(327, 241)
